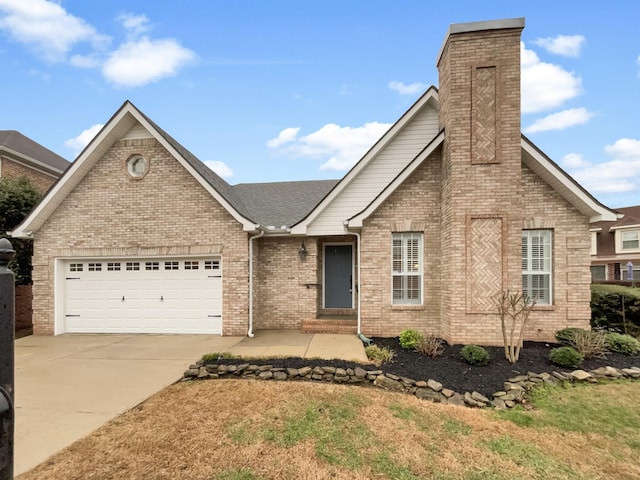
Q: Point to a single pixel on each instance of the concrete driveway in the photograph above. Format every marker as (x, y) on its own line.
(69, 385)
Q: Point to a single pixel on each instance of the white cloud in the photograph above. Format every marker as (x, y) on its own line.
(574, 160)
(285, 136)
(560, 120)
(620, 174)
(85, 61)
(404, 89)
(136, 24)
(338, 147)
(82, 140)
(220, 168)
(545, 85)
(140, 62)
(565, 45)
(47, 27)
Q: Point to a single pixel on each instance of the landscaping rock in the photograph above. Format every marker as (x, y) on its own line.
(279, 375)
(265, 375)
(456, 399)
(420, 384)
(447, 393)
(360, 372)
(499, 404)
(388, 383)
(433, 385)
(478, 397)
(581, 375)
(191, 372)
(428, 394)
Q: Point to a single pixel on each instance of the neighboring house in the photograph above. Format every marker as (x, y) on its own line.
(451, 206)
(22, 157)
(614, 244)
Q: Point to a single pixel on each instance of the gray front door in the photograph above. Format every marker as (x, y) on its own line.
(338, 271)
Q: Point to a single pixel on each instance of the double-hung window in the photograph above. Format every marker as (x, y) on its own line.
(631, 240)
(536, 265)
(407, 268)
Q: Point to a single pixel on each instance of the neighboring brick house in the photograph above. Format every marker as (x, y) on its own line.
(21, 157)
(614, 245)
(451, 206)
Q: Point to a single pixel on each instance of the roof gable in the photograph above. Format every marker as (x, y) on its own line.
(127, 117)
(563, 183)
(429, 97)
(24, 149)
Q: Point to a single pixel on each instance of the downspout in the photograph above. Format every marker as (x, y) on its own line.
(251, 239)
(357, 235)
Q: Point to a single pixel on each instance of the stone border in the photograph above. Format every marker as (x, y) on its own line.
(513, 393)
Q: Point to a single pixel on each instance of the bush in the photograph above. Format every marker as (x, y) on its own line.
(475, 355)
(409, 339)
(565, 336)
(566, 357)
(430, 346)
(590, 344)
(379, 355)
(606, 308)
(620, 343)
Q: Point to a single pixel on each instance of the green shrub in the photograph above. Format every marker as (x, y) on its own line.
(430, 346)
(565, 336)
(606, 308)
(409, 339)
(620, 343)
(590, 344)
(475, 355)
(566, 357)
(379, 355)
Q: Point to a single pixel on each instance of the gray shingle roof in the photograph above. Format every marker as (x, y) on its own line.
(16, 141)
(268, 204)
(282, 203)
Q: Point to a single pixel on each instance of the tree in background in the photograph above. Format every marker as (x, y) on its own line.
(17, 198)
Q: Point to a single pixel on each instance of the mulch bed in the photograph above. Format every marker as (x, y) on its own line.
(451, 370)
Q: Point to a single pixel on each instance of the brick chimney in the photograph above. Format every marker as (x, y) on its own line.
(479, 110)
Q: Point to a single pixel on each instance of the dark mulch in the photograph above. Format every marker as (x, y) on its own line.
(454, 373)
(451, 370)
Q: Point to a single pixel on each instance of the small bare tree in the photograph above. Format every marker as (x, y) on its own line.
(514, 309)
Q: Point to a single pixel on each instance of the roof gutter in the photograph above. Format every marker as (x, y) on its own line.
(250, 333)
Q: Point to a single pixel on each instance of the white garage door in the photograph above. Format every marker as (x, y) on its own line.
(157, 295)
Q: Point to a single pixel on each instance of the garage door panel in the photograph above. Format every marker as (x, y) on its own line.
(143, 296)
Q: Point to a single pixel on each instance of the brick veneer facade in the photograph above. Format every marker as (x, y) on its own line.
(166, 213)
(10, 169)
(471, 206)
(470, 199)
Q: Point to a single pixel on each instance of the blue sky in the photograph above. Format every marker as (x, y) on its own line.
(294, 90)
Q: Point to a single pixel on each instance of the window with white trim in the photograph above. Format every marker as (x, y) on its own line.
(631, 240)
(191, 265)
(536, 266)
(407, 268)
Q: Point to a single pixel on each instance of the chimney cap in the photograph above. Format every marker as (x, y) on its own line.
(455, 28)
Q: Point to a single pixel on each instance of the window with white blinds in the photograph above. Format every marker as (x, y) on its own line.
(407, 268)
(537, 278)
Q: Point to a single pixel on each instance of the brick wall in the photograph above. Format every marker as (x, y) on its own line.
(286, 287)
(413, 207)
(166, 213)
(479, 99)
(23, 307)
(41, 181)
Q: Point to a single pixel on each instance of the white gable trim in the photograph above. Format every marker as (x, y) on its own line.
(431, 95)
(116, 128)
(561, 182)
(356, 220)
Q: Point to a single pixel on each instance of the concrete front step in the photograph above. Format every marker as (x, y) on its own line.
(330, 325)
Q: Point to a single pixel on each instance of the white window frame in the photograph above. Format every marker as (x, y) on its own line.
(406, 270)
(629, 233)
(537, 265)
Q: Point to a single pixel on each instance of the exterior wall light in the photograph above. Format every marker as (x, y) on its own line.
(302, 251)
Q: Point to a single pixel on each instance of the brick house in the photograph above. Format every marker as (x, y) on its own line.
(449, 207)
(21, 157)
(615, 244)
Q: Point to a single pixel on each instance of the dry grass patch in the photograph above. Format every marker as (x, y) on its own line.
(254, 430)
